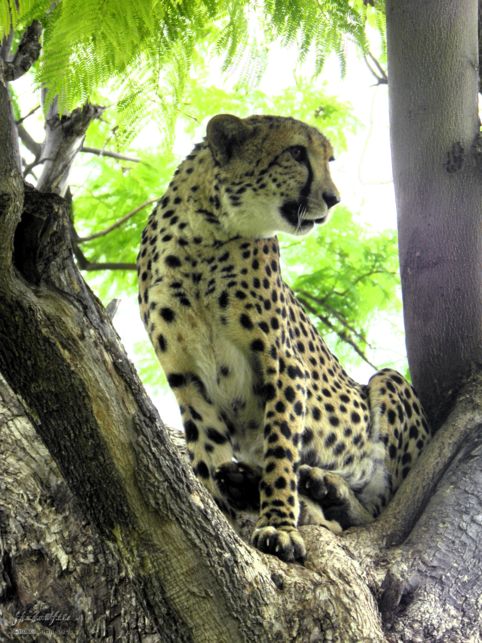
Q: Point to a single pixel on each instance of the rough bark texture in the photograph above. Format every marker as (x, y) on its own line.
(433, 81)
(63, 140)
(141, 530)
(197, 580)
(443, 550)
(58, 580)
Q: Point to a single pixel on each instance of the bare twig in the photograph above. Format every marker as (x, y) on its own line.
(32, 111)
(29, 166)
(323, 303)
(370, 273)
(376, 69)
(343, 335)
(85, 264)
(108, 266)
(118, 223)
(114, 155)
(28, 141)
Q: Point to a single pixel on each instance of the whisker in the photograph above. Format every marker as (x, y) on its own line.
(301, 214)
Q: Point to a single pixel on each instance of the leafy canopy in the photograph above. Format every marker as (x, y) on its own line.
(150, 62)
(145, 49)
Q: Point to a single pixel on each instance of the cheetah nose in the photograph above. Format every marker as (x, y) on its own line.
(330, 199)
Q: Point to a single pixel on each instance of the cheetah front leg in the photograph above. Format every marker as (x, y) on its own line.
(208, 440)
(276, 529)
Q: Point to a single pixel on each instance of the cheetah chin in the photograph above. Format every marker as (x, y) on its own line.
(273, 422)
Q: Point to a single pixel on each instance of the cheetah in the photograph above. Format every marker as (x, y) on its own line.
(271, 418)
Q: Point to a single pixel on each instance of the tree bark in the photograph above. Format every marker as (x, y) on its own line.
(63, 140)
(138, 505)
(433, 81)
(58, 580)
(195, 577)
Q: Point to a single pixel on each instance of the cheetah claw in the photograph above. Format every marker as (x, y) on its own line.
(285, 543)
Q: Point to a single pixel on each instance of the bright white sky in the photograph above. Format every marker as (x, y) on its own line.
(363, 176)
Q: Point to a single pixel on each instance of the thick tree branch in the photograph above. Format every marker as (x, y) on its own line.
(120, 222)
(64, 138)
(27, 53)
(56, 577)
(434, 582)
(11, 186)
(5, 46)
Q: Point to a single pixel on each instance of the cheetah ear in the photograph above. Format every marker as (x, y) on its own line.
(224, 134)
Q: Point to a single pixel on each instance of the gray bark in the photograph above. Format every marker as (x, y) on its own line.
(195, 577)
(58, 581)
(433, 81)
(63, 140)
(145, 517)
(445, 580)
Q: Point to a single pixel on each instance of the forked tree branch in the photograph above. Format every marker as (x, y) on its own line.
(65, 135)
(376, 69)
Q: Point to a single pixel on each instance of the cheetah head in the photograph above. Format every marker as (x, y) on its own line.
(272, 174)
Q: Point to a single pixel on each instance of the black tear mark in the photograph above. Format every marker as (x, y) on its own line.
(455, 158)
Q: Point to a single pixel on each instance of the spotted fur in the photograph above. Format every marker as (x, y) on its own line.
(265, 405)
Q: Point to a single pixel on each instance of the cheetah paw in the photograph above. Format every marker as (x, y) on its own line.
(285, 543)
(239, 485)
(320, 486)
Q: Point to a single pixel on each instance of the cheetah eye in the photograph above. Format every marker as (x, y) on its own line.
(298, 152)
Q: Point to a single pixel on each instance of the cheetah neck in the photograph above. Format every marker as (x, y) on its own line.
(191, 207)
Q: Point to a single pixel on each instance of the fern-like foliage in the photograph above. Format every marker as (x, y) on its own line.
(145, 48)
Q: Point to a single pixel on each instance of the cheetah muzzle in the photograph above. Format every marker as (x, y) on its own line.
(272, 420)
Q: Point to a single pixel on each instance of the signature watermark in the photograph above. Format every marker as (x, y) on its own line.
(22, 620)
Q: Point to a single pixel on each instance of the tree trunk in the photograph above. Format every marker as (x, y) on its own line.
(433, 82)
(58, 580)
(195, 577)
(138, 529)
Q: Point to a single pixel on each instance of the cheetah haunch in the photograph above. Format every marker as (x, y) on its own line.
(265, 405)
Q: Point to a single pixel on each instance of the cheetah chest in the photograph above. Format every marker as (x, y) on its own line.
(230, 380)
